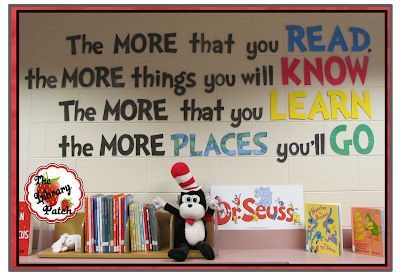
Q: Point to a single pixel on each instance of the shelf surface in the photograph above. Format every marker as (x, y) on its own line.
(226, 256)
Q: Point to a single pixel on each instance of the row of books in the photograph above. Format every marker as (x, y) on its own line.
(324, 229)
(117, 224)
(143, 227)
(105, 223)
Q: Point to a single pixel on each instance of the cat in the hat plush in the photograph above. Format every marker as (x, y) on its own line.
(194, 210)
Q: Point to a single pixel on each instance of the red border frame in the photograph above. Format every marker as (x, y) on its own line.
(13, 9)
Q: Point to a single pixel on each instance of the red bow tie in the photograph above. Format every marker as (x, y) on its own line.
(206, 217)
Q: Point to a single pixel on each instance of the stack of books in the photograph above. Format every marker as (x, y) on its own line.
(106, 223)
(143, 227)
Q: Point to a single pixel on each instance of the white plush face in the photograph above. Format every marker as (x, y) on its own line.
(70, 242)
(191, 207)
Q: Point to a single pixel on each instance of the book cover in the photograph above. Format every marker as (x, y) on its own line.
(259, 207)
(25, 230)
(323, 229)
(127, 201)
(368, 230)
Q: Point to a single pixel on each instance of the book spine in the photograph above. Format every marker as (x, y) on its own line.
(102, 224)
(131, 226)
(134, 239)
(138, 234)
(140, 227)
(95, 226)
(115, 225)
(128, 201)
(92, 226)
(122, 226)
(149, 229)
(154, 227)
(86, 225)
(146, 236)
(110, 225)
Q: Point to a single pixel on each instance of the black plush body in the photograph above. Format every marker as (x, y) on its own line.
(192, 205)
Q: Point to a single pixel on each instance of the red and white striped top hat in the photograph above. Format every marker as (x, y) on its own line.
(182, 175)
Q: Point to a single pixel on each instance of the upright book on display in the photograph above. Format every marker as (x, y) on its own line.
(323, 229)
(368, 231)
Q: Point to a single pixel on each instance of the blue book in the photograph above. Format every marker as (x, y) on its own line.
(95, 227)
(154, 226)
(96, 222)
(110, 223)
(103, 213)
(106, 223)
(141, 228)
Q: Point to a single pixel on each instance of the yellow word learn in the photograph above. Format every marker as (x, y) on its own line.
(330, 109)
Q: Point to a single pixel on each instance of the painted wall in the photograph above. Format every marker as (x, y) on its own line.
(354, 179)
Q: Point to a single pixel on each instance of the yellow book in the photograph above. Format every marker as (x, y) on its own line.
(132, 231)
(323, 229)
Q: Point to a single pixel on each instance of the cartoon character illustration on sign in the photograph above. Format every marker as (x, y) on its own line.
(223, 212)
(330, 235)
(294, 214)
(265, 195)
(255, 217)
(236, 200)
(235, 219)
(280, 202)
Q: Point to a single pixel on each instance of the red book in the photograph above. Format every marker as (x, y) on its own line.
(116, 223)
(121, 224)
(87, 243)
(91, 227)
(25, 230)
(146, 231)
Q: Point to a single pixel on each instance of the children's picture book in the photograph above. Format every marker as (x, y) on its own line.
(368, 230)
(323, 229)
(25, 230)
(259, 207)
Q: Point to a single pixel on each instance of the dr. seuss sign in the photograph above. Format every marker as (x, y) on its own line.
(259, 207)
(303, 73)
(54, 193)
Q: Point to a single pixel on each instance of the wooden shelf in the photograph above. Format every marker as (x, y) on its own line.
(226, 256)
(162, 254)
(166, 223)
